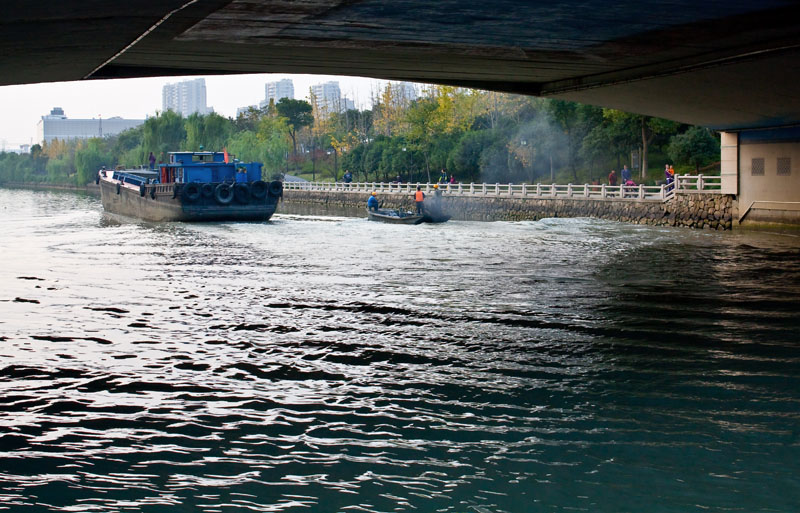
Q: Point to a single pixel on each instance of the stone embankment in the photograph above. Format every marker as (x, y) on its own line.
(695, 210)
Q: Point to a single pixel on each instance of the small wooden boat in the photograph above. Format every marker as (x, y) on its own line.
(388, 215)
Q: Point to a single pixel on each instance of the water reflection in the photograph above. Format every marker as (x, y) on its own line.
(341, 365)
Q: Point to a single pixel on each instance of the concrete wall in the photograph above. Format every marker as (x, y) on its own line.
(769, 176)
(709, 211)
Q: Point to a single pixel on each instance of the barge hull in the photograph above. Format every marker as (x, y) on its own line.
(160, 203)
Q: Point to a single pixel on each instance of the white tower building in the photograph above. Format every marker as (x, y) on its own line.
(275, 91)
(185, 98)
(328, 96)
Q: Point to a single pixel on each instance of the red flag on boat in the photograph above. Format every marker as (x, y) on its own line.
(227, 157)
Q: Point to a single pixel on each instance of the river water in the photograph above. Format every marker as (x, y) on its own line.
(333, 364)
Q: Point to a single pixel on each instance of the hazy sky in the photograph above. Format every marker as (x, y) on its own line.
(22, 106)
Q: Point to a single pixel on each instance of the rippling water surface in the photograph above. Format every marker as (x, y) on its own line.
(333, 364)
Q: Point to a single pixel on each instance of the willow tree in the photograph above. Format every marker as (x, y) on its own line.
(161, 134)
(273, 142)
(210, 131)
(89, 157)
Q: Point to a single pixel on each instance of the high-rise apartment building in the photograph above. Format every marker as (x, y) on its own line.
(406, 90)
(275, 91)
(185, 98)
(56, 125)
(328, 97)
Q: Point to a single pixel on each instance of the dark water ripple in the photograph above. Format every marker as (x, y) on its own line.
(331, 364)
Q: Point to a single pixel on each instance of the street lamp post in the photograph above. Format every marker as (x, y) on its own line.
(411, 167)
(524, 144)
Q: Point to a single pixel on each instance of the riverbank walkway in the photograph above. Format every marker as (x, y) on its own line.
(655, 193)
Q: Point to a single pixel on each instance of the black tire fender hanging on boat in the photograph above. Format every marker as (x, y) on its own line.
(97, 179)
(223, 194)
(176, 189)
(241, 192)
(118, 188)
(276, 188)
(208, 190)
(191, 192)
(153, 192)
(258, 189)
(141, 189)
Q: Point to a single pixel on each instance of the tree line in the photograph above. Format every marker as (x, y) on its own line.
(477, 136)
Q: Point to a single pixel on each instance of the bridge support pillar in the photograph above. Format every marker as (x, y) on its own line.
(729, 166)
(768, 175)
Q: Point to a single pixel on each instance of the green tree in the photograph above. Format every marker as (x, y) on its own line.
(373, 157)
(58, 170)
(696, 146)
(89, 159)
(465, 158)
(127, 140)
(12, 167)
(354, 160)
(246, 146)
(597, 147)
(273, 143)
(250, 118)
(575, 121)
(38, 160)
(161, 134)
(298, 114)
(644, 129)
(211, 131)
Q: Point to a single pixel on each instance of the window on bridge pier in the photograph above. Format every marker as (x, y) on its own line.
(757, 167)
(784, 166)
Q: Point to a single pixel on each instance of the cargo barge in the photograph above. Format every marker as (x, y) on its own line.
(192, 186)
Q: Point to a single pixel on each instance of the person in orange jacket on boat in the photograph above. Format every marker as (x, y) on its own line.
(419, 199)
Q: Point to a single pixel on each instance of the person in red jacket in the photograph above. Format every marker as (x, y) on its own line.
(612, 178)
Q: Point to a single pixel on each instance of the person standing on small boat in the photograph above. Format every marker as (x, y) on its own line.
(436, 207)
(152, 160)
(419, 199)
(372, 202)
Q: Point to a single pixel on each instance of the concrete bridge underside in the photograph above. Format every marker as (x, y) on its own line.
(728, 65)
(731, 65)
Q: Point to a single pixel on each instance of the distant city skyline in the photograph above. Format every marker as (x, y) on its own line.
(24, 105)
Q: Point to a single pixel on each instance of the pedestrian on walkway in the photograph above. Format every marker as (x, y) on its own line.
(626, 174)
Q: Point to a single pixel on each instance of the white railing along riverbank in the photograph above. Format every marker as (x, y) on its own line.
(685, 183)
